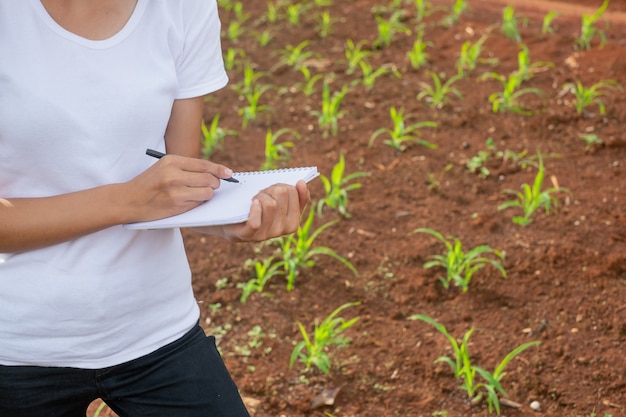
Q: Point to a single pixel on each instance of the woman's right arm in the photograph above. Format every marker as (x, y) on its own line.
(172, 185)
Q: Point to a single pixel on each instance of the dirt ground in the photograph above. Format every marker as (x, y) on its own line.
(566, 280)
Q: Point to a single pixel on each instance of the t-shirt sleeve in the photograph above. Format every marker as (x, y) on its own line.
(200, 67)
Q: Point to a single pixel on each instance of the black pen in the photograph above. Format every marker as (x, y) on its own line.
(160, 155)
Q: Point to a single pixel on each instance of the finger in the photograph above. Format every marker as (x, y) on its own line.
(304, 194)
(199, 165)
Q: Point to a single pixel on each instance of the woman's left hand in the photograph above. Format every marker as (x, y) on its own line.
(275, 212)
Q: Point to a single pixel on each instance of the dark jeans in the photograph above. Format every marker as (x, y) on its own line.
(186, 378)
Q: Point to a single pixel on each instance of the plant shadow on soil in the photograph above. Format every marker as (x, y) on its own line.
(566, 271)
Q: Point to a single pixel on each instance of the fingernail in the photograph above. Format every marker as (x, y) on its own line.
(228, 172)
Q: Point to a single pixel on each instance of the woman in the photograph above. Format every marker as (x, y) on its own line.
(89, 309)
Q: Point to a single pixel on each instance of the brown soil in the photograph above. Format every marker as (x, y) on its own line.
(566, 271)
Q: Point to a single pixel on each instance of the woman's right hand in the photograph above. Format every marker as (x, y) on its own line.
(173, 185)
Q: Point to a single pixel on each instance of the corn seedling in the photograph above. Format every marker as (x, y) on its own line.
(591, 141)
(230, 57)
(469, 56)
(294, 56)
(308, 88)
(457, 9)
(328, 117)
(526, 69)
(252, 110)
(213, 136)
(263, 38)
(388, 28)
(240, 15)
(587, 96)
(227, 5)
(277, 154)
(509, 98)
(476, 164)
(354, 55)
(370, 75)
(295, 11)
(336, 188)
(466, 372)
(249, 82)
(312, 350)
(401, 133)
(461, 266)
(418, 57)
(437, 94)
(272, 14)
(532, 198)
(298, 251)
(587, 29)
(422, 9)
(325, 23)
(509, 24)
(235, 31)
(263, 272)
(548, 19)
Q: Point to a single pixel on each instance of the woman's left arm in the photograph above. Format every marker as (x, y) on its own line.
(274, 212)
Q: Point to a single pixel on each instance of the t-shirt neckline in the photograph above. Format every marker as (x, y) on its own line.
(90, 43)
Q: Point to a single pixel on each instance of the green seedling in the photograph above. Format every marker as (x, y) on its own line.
(458, 8)
(591, 141)
(240, 15)
(308, 88)
(277, 154)
(587, 96)
(532, 198)
(401, 133)
(250, 80)
(235, 31)
(213, 136)
(272, 14)
(313, 349)
(587, 29)
(354, 55)
(231, 57)
(461, 266)
(466, 372)
(264, 38)
(422, 9)
(298, 251)
(509, 98)
(227, 5)
(476, 164)
(418, 57)
(328, 117)
(370, 75)
(388, 28)
(437, 94)
(548, 19)
(252, 110)
(509, 24)
(295, 56)
(325, 24)
(263, 272)
(469, 56)
(525, 69)
(336, 188)
(295, 11)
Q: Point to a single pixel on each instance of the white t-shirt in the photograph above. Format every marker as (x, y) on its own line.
(75, 114)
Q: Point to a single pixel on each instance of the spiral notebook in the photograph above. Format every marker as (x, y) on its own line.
(231, 202)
